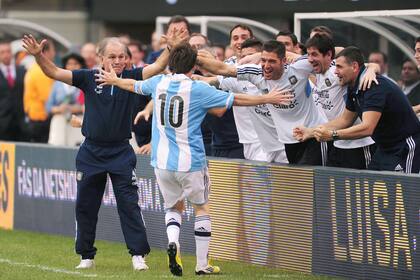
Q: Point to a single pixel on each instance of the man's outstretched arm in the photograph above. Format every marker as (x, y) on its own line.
(111, 78)
(48, 67)
(215, 66)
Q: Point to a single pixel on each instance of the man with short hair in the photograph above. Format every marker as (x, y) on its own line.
(137, 53)
(88, 52)
(106, 149)
(289, 40)
(381, 59)
(385, 113)
(230, 131)
(410, 79)
(265, 145)
(12, 116)
(198, 41)
(180, 105)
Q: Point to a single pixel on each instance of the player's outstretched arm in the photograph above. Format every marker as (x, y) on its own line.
(111, 78)
(34, 48)
(275, 96)
(215, 66)
(213, 81)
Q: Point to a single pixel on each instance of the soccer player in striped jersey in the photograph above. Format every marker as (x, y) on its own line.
(180, 105)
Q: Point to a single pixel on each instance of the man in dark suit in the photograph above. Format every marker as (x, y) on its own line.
(12, 117)
(410, 78)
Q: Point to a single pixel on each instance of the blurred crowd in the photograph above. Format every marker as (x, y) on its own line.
(35, 108)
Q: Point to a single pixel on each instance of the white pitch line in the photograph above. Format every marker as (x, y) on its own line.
(46, 268)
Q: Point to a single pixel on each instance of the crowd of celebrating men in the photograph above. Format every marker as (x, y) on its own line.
(37, 109)
(274, 101)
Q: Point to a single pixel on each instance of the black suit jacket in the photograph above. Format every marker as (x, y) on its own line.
(11, 102)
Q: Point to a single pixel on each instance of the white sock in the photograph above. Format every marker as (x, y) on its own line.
(202, 228)
(173, 221)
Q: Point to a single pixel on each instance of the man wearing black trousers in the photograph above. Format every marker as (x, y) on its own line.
(106, 150)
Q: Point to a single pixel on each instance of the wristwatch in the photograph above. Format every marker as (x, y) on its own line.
(335, 135)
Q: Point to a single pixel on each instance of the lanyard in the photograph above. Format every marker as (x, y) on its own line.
(112, 87)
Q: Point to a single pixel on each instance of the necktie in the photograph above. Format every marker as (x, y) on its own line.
(10, 79)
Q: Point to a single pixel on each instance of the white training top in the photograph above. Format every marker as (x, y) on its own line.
(244, 125)
(260, 115)
(302, 109)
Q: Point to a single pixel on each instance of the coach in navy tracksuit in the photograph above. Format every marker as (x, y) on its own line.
(385, 113)
(106, 150)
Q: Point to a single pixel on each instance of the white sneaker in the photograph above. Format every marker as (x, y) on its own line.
(85, 264)
(139, 263)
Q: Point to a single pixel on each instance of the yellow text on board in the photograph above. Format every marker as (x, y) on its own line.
(7, 184)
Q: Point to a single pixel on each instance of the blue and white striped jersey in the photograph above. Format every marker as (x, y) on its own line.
(179, 106)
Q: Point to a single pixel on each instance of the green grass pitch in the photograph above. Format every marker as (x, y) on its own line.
(28, 255)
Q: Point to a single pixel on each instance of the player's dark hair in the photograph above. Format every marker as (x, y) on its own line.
(322, 43)
(321, 29)
(288, 34)
(352, 54)
(76, 57)
(303, 48)
(276, 47)
(242, 26)
(252, 43)
(182, 59)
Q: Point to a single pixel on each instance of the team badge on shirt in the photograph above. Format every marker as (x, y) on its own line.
(98, 89)
(328, 82)
(265, 91)
(293, 80)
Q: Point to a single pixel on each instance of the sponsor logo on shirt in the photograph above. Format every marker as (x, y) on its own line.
(262, 110)
(292, 105)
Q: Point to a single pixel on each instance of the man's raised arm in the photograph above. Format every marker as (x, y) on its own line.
(174, 38)
(215, 66)
(48, 67)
